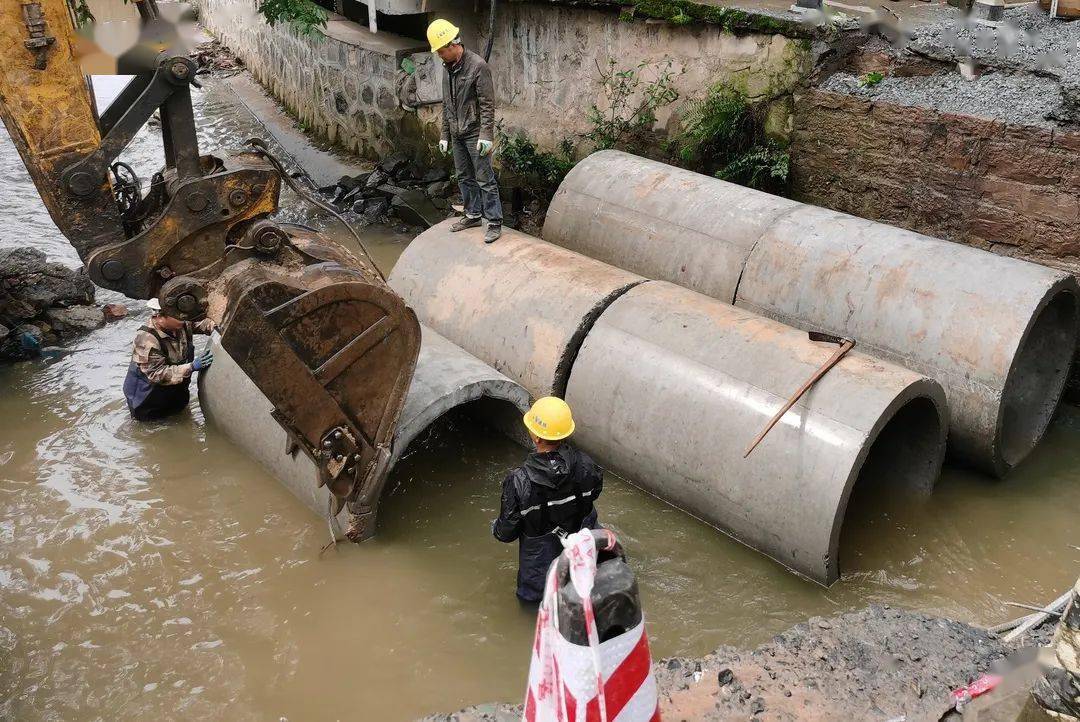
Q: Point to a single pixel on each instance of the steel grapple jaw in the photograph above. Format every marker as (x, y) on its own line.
(331, 346)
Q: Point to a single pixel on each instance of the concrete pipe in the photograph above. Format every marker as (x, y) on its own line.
(996, 332)
(660, 221)
(446, 377)
(520, 304)
(671, 386)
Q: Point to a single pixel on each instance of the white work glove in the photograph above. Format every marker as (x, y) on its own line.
(484, 147)
(444, 146)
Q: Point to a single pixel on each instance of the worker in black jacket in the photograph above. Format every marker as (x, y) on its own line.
(553, 490)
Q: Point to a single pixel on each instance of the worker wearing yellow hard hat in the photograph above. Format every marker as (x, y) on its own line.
(162, 361)
(468, 128)
(552, 492)
(441, 33)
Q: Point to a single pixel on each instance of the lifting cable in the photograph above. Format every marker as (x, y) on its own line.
(260, 149)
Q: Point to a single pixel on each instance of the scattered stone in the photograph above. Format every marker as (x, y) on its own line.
(24, 342)
(395, 164)
(74, 320)
(27, 275)
(377, 178)
(435, 175)
(390, 190)
(114, 311)
(376, 209)
(18, 310)
(439, 189)
(724, 677)
(39, 301)
(415, 208)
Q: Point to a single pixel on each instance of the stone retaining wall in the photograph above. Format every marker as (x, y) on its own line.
(1014, 190)
(342, 83)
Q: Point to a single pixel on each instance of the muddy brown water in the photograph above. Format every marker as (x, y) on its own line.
(156, 572)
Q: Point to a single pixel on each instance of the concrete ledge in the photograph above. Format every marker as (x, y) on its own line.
(352, 33)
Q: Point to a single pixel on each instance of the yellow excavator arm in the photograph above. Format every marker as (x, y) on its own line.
(316, 328)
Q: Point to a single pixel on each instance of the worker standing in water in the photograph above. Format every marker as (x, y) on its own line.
(553, 490)
(468, 128)
(162, 361)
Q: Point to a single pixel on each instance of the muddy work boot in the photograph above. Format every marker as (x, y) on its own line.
(466, 222)
(494, 230)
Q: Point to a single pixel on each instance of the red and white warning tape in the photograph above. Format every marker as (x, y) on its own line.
(608, 681)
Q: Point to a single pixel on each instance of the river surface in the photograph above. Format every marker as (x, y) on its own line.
(155, 572)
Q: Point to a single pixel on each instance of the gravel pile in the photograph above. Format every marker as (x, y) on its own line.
(877, 663)
(1023, 70)
(1010, 97)
(1027, 39)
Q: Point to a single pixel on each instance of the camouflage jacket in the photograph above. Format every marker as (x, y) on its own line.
(164, 362)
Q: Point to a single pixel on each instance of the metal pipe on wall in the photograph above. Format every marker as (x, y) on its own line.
(998, 333)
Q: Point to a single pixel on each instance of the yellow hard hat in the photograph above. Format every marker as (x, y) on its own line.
(441, 33)
(550, 419)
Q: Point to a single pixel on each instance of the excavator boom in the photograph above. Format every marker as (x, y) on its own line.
(316, 328)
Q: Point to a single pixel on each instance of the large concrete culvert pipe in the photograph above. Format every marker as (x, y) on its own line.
(520, 304)
(996, 332)
(670, 386)
(446, 378)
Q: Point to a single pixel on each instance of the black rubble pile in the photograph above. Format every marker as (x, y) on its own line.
(214, 58)
(42, 304)
(396, 187)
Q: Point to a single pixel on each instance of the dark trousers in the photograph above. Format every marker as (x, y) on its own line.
(476, 178)
(535, 555)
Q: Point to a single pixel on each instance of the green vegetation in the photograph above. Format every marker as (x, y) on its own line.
(724, 134)
(81, 11)
(683, 12)
(764, 166)
(303, 15)
(871, 79)
(632, 102)
(542, 170)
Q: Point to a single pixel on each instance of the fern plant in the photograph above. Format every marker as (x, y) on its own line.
(303, 15)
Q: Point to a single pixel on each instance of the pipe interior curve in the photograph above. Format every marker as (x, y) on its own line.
(1036, 379)
(902, 463)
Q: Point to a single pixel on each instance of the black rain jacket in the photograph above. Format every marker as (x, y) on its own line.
(552, 489)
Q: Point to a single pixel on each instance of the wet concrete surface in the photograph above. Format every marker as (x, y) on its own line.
(155, 572)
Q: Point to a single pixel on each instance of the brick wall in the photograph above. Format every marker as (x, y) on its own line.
(1014, 190)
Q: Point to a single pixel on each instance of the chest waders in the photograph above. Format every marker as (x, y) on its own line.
(147, 400)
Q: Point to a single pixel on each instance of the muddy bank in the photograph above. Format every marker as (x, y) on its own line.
(876, 663)
(43, 304)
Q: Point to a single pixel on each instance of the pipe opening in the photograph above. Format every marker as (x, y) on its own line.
(492, 415)
(1037, 378)
(902, 463)
(471, 459)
